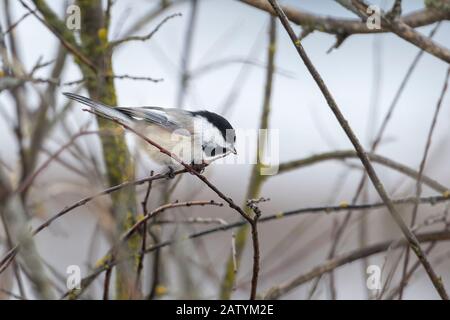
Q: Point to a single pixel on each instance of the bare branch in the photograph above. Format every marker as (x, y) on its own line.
(280, 215)
(415, 246)
(406, 32)
(116, 43)
(346, 154)
(282, 289)
(68, 42)
(334, 25)
(421, 170)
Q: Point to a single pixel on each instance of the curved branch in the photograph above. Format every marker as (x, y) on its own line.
(116, 43)
(333, 25)
(362, 154)
(58, 28)
(11, 253)
(280, 290)
(314, 210)
(406, 32)
(345, 154)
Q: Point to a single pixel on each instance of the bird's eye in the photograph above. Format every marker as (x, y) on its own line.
(213, 152)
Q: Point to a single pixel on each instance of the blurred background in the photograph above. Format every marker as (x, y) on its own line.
(222, 47)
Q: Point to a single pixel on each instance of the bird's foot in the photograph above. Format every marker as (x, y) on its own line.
(199, 167)
(170, 174)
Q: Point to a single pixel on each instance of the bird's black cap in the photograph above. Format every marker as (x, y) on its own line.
(217, 120)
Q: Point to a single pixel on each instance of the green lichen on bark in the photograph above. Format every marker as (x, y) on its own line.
(438, 4)
(52, 19)
(115, 151)
(100, 85)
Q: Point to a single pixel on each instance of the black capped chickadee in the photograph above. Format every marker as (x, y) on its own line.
(196, 137)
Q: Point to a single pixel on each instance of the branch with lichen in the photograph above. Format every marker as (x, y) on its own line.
(106, 262)
(336, 26)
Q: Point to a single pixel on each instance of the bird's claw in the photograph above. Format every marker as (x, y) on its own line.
(199, 167)
(170, 174)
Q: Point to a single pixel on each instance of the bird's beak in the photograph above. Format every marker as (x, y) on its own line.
(234, 151)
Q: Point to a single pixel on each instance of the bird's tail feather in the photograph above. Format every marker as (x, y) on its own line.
(100, 108)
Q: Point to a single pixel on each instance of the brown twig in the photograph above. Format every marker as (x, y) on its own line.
(421, 170)
(404, 31)
(116, 43)
(72, 47)
(165, 207)
(253, 205)
(112, 254)
(28, 181)
(374, 146)
(256, 177)
(193, 220)
(140, 263)
(12, 294)
(333, 25)
(11, 253)
(16, 266)
(186, 53)
(106, 283)
(15, 24)
(346, 154)
(112, 259)
(138, 78)
(233, 254)
(412, 240)
(314, 210)
(407, 276)
(280, 290)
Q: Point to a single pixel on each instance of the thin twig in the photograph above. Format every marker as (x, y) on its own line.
(193, 220)
(404, 31)
(412, 240)
(256, 178)
(140, 263)
(186, 53)
(327, 267)
(233, 254)
(116, 43)
(11, 253)
(340, 231)
(111, 259)
(280, 290)
(252, 204)
(72, 47)
(28, 181)
(107, 283)
(421, 170)
(15, 24)
(336, 26)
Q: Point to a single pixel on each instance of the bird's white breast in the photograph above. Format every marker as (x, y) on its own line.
(185, 146)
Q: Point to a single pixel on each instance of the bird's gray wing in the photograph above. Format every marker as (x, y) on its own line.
(168, 118)
(100, 108)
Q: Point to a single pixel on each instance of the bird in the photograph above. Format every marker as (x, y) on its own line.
(195, 137)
